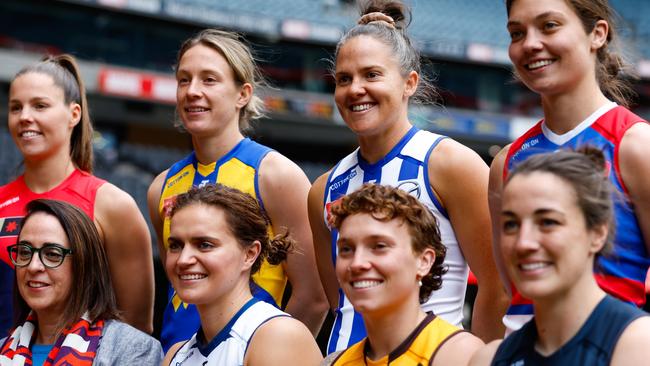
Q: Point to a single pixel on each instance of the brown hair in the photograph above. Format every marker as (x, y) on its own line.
(237, 53)
(64, 72)
(585, 170)
(395, 37)
(387, 203)
(244, 217)
(92, 289)
(610, 65)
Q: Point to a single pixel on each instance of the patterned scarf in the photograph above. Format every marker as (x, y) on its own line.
(77, 345)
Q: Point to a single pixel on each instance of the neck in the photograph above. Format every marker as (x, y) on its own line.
(559, 318)
(47, 331)
(401, 323)
(211, 148)
(563, 112)
(215, 315)
(376, 146)
(43, 175)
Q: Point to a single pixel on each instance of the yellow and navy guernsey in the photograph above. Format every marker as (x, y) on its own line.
(419, 348)
(238, 169)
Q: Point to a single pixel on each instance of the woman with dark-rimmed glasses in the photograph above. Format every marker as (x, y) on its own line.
(65, 305)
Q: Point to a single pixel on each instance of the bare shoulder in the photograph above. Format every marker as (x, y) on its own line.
(484, 355)
(275, 165)
(282, 330)
(111, 200)
(450, 156)
(632, 347)
(458, 349)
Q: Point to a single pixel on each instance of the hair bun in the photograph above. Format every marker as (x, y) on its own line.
(595, 155)
(399, 12)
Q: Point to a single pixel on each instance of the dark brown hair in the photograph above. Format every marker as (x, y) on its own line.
(585, 170)
(395, 37)
(610, 65)
(237, 53)
(387, 203)
(92, 289)
(64, 72)
(244, 217)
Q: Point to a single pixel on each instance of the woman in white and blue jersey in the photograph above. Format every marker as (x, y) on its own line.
(377, 73)
(218, 239)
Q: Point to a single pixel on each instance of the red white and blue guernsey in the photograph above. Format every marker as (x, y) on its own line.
(621, 274)
(405, 167)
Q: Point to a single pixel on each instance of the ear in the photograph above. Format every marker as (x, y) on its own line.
(598, 238)
(251, 253)
(245, 95)
(425, 262)
(599, 35)
(75, 113)
(412, 80)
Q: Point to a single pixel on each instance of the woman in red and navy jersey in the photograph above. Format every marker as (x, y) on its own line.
(49, 122)
(560, 50)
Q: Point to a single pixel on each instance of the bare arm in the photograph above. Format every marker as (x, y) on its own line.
(460, 178)
(170, 354)
(457, 350)
(485, 355)
(284, 188)
(282, 341)
(495, 189)
(128, 247)
(153, 201)
(635, 171)
(632, 347)
(322, 241)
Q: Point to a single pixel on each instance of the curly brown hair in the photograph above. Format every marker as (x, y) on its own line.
(387, 203)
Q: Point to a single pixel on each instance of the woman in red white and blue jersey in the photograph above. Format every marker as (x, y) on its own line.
(559, 49)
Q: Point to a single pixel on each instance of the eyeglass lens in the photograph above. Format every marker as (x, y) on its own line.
(50, 255)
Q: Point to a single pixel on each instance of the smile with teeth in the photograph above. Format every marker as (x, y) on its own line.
(196, 109)
(192, 276)
(533, 266)
(35, 284)
(538, 64)
(366, 283)
(29, 134)
(361, 107)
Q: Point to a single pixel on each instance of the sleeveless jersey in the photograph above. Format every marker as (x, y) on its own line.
(79, 189)
(405, 167)
(419, 348)
(229, 346)
(622, 274)
(593, 345)
(237, 169)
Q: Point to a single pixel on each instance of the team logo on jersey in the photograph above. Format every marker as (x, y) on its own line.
(167, 206)
(328, 209)
(9, 226)
(411, 187)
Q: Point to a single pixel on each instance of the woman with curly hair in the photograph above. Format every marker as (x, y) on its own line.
(390, 260)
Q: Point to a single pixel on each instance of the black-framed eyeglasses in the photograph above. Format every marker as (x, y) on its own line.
(51, 255)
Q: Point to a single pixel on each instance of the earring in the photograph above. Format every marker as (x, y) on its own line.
(420, 283)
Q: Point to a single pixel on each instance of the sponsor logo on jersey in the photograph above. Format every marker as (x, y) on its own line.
(411, 187)
(336, 185)
(177, 179)
(9, 202)
(9, 226)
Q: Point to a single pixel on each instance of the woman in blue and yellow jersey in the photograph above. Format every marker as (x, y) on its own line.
(216, 77)
(390, 259)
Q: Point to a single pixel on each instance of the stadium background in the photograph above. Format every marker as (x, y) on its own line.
(126, 49)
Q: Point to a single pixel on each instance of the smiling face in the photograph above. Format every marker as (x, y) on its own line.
(376, 265)
(205, 262)
(544, 238)
(40, 121)
(45, 290)
(371, 93)
(207, 95)
(549, 47)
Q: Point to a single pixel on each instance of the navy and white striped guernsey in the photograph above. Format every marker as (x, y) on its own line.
(405, 167)
(593, 345)
(229, 346)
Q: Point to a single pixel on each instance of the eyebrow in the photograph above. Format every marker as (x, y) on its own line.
(539, 211)
(544, 15)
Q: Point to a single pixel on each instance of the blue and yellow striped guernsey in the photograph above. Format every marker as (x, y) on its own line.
(238, 169)
(419, 348)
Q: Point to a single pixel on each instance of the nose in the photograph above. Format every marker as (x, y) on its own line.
(194, 89)
(360, 261)
(187, 257)
(357, 87)
(527, 239)
(35, 265)
(532, 42)
(25, 115)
